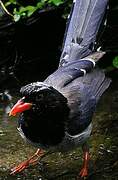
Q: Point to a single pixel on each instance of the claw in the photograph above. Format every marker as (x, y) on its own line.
(83, 172)
(31, 161)
(20, 167)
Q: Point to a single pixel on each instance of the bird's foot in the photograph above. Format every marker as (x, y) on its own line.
(31, 161)
(83, 172)
(20, 167)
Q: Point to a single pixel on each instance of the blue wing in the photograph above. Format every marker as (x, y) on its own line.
(65, 75)
(83, 94)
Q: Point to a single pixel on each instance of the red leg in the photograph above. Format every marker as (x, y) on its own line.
(31, 161)
(84, 170)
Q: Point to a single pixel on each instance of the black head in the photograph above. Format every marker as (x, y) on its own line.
(45, 122)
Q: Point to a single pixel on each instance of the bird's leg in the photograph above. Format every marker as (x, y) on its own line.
(31, 161)
(84, 170)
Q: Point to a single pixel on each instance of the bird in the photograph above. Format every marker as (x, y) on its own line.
(56, 114)
(6, 101)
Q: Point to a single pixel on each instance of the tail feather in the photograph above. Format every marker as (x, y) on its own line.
(84, 23)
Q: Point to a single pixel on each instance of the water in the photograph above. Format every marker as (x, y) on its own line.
(57, 166)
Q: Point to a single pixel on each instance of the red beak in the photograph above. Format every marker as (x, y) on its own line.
(19, 107)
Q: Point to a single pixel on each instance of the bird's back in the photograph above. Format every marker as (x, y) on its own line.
(82, 91)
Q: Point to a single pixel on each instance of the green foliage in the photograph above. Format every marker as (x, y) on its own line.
(56, 2)
(20, 10)
(115, 62)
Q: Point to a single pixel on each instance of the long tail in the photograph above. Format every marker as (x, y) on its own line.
(82, 29)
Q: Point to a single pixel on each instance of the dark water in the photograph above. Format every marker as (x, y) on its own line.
(56, 166)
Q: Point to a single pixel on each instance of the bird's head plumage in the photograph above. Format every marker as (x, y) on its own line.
(43, 113)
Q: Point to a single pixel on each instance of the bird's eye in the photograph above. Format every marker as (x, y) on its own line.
(39, 97)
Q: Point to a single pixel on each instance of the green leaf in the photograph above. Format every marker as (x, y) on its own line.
(31, 10)
(21, 11)
(28, 10)
(56, 2)
(39, 5)
(10, 2)
(115, 62)
(16, 17)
